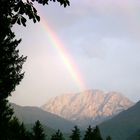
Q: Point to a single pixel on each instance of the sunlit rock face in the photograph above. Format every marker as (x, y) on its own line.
(89, 107)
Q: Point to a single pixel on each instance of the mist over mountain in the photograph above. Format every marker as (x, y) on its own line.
(88, 108)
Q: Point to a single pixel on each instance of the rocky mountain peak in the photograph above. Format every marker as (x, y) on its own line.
(91, 106)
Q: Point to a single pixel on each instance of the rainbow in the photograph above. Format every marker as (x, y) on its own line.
(64, 54)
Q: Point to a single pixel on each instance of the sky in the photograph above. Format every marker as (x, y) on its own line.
(93, 44)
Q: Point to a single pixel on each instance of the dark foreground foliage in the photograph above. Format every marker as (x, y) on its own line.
(11, 62)
(12, 12)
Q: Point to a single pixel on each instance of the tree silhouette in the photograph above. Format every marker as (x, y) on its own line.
(10, 65)
(75, 134)
(11, 12)
(5, 116)
(97, 134)
(24, 134)
(88, 134)
(57, 136)
(38, 132)
(19, 10)
(11, 62)
(17, 130)
(14, 129)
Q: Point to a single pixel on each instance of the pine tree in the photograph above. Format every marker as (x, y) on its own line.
(10, 127)
(17, 130)
(75, 134)
(57, 136)
(97, 134)
(6, 113)
(88, 134)
(38, 132)
(10, 65)
(14, 129)
(24, 134)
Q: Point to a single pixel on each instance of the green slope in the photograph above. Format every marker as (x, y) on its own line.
(135, 136)
(123, 125)
(30, 114)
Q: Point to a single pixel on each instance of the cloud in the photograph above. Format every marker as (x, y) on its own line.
(107, 5)
(102, 36)
(101, 47)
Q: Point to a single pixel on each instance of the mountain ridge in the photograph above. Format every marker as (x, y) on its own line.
(123, 126)
(29, 115)
(91, 106)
